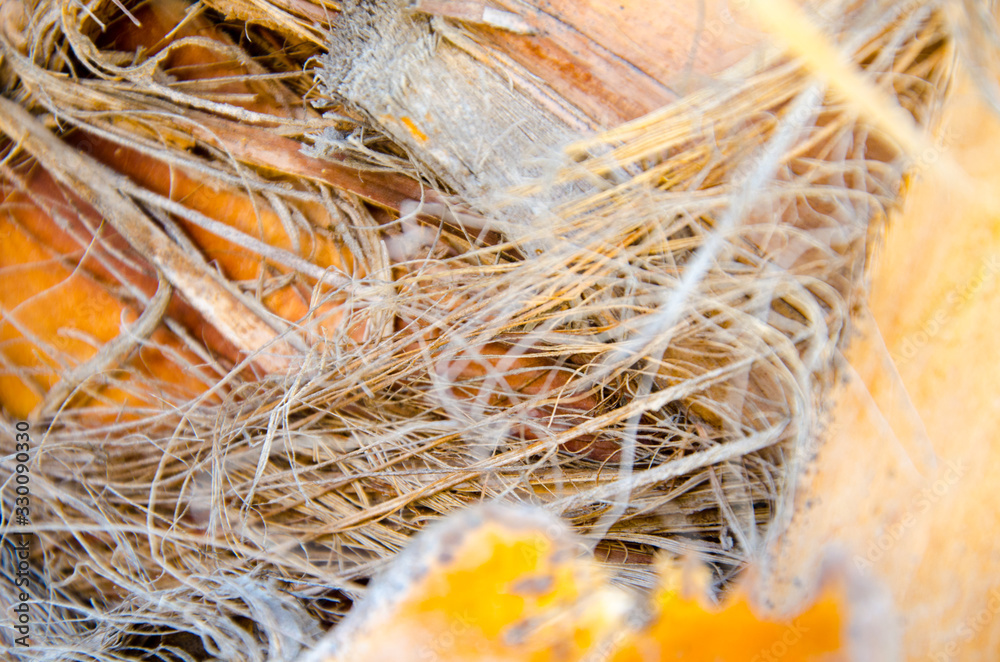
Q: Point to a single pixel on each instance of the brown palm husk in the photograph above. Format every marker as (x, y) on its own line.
(691, 273)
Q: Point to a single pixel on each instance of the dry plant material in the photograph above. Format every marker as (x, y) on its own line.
(304, 230)
(57, 318)
(638, 338)
(513, 584)
(184, 57)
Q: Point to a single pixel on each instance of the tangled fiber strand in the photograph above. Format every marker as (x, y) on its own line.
(648, 358)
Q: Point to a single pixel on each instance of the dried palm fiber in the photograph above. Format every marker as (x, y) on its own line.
(640, 342)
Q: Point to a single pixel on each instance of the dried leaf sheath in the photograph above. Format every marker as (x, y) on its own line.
(639, 340)
(54, 314)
